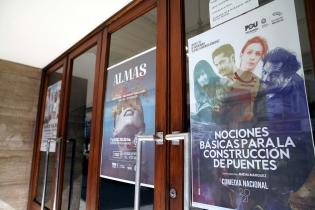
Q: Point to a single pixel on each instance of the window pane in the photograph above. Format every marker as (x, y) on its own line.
(129, 110)
(78, 131)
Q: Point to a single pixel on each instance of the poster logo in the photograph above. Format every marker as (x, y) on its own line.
(250, 28)
(277, 14)
(244, 193)
(264, 22)
(277, 17)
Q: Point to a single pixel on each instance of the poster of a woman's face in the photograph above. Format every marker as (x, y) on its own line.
(252, 52)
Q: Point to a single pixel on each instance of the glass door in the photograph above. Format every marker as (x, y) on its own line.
(83, 65)
(129, 111)
(66, 122)
(49, 137)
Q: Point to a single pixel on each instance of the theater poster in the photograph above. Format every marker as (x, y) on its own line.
(252, 143)
(129, 110)
(51, 116)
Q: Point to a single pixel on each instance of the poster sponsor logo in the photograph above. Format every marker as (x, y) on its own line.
(252, 27)
(277, 14)
(244, 194)
(277, 17)
(264, 22)
(116, 154)
(114, 165)
(129, 168)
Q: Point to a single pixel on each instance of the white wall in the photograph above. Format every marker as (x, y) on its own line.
(34, 32)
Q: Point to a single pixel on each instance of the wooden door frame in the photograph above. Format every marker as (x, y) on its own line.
(32, 203)
(178, 101)
(160, 195)
(66, 63)
(170, 97)
(95, 40)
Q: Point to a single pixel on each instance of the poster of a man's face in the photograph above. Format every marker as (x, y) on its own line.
(129, 118)
(279, 68)
(224, 59)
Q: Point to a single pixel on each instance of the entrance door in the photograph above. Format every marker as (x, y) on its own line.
(131, 77)
(64, 135)
(128, 109)
(79, 115)
(49, 135)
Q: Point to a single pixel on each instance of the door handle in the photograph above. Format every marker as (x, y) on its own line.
(42, 206)
(73, 141)
(50, 140)
(58, 150)
(158, 139)
(175, 138)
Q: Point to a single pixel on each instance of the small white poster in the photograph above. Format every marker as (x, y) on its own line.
(224, 10)
(51, 116)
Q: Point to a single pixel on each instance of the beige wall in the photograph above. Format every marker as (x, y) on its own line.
(19, 90)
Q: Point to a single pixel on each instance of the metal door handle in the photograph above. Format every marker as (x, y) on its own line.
(143, 138)
(175, 138)
(50, 140)
(45, 175)
(58, 146)
(73, 141)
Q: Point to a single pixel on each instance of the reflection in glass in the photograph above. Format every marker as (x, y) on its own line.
(133, 38)
(78, 131)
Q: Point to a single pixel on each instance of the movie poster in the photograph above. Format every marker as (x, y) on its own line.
(252, 144)
(51, 116)
(129, 111)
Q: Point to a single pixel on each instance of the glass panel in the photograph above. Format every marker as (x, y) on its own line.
(51, 116)
(133, 38)
(129, 110)
(78, 131)
(257, 80)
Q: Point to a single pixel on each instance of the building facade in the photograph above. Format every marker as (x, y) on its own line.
(213, 99)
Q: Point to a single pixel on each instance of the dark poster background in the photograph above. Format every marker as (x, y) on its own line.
(129, 111)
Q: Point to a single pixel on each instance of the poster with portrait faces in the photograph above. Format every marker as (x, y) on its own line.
(51, 116)
(252, 143)
(129, 110)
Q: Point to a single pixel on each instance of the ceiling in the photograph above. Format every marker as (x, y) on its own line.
(35, 32)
